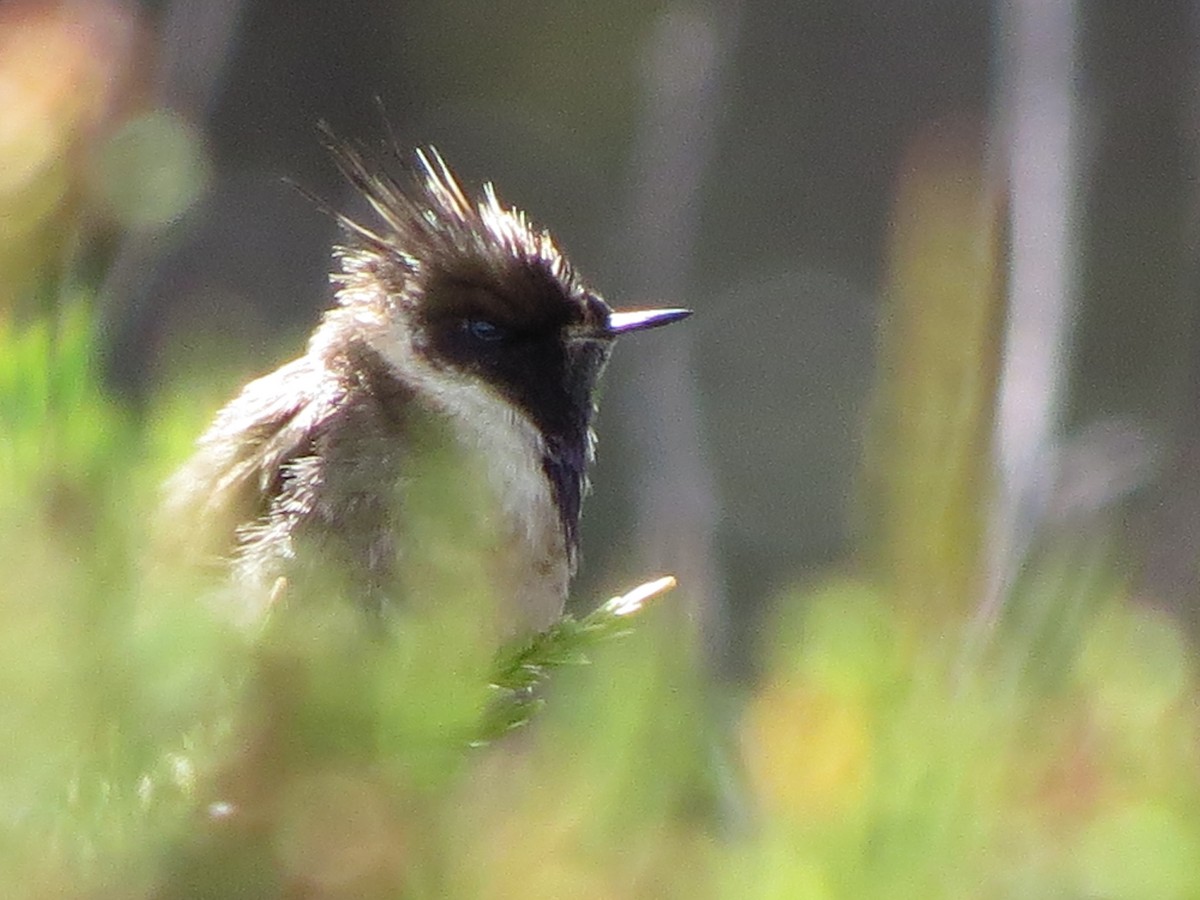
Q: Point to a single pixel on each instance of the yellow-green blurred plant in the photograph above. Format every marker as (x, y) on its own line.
(156, 749)
(160, 749)
(892, 747)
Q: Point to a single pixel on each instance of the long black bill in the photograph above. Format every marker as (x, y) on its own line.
(624, 321)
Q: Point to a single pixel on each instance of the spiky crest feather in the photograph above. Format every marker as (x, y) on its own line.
(430, 226)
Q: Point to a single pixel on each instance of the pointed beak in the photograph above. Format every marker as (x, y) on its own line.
(624, 321)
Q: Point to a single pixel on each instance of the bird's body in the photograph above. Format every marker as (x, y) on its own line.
(444, 405)
(309, 467)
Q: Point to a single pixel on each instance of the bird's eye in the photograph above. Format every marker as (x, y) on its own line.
(484, 330)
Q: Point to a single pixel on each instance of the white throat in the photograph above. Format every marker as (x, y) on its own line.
(509, 449)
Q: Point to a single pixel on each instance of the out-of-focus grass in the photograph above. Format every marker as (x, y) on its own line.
(153, 748)
(104, 690)
(157, 748)
(927, 468)
(888, 773)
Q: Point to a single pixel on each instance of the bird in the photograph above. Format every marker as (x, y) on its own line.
(459, 331)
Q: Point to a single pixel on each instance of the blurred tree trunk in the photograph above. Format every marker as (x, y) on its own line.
(1037, 127)
(195, 42)
(670, 480)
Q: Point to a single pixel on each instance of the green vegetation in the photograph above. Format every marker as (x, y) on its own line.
(155, 749)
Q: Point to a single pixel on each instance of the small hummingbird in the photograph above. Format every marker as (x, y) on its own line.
(459, 329)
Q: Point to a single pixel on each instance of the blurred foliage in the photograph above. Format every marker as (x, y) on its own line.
(151, 170)
(160, 750)
(66, 76)
(156, 749)
(942, 315)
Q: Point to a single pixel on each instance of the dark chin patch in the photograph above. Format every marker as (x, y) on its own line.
(551, 380)
(529, 353)
(531, 361)
(565, 465)
(554, 386)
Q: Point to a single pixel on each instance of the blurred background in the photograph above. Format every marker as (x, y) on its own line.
(944, 371)
(738, 158)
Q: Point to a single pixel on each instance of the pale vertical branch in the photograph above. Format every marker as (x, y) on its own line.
(195, 43)
(1038, 124)
(671, 481)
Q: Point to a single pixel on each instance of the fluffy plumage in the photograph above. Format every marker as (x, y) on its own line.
(458, 328)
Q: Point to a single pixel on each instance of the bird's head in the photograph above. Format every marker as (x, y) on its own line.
(465, 289)
(480, 312)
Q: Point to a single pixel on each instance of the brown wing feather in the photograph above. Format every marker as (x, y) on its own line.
(229, 482)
